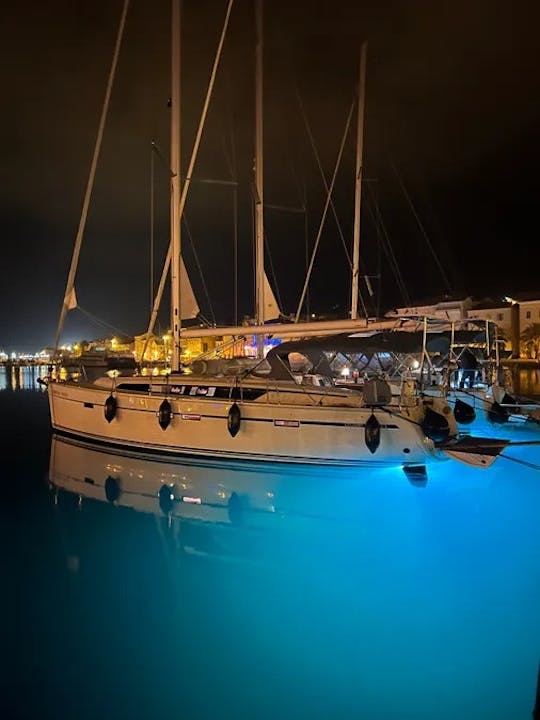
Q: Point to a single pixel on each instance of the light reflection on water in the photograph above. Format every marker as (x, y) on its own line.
(316, 593)
(529, 382)
(23, 377)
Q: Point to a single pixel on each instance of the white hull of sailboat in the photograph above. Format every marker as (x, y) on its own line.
(269, 431)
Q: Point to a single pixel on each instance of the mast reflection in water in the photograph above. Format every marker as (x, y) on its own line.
(147, 588)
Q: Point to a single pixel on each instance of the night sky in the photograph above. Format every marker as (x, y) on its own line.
(452, 122)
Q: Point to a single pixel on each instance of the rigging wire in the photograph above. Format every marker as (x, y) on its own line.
(252, 207)
(422, 228)
(152, 219)
(230, 159)
(190, 235)
(235, 253)
(301, 208)
(323, 175)
(325, 183)
(526, 463)
(230, 154)
(90, 184)
(325, 211)
(375, 212)
(187, 182)
(379, 262)
(102, 323)
(386, 246)
(306, 248)
(199, 268)
(164, 162)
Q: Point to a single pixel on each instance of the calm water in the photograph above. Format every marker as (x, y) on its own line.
(334, 594)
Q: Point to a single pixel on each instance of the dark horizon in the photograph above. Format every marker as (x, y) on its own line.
(451, 122)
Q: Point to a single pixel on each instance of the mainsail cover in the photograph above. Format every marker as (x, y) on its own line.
(70, 300)
(189, 307)
(270, 307)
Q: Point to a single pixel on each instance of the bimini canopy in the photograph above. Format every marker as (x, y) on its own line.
(394, 343)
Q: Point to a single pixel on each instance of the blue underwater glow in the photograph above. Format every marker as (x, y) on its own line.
(327, 593)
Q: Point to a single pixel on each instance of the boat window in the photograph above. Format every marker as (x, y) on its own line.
(223, 392)
(325, 381)
(238, 393)
(247, 393)
(134, 387)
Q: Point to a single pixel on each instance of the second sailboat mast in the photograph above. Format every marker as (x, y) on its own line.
(259, 193)
(358, 182)
(175, 189)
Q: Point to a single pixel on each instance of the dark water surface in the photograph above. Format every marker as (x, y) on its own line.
(314, 594)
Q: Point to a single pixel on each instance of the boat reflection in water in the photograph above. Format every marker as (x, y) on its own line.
(211, 498)
(231, 590)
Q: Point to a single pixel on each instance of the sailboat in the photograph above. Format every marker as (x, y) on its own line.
(246, 411)
(465, 367)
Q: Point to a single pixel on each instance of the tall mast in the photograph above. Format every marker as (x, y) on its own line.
(175, 186)
(173, 259)
(358, 184)
(259, 196)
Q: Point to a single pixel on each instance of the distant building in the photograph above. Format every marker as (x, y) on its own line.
(192, 347)
(116, 344)
(159, 348)
(497, 310)
(156, 349)
(500, 312)
(520, 330)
